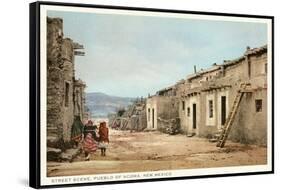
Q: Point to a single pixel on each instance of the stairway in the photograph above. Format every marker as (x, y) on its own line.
(231, 116)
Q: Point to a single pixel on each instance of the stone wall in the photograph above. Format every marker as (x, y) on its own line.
(64, 92)
(54, 81)
(54, 42)
(79, 100)
(68, 87)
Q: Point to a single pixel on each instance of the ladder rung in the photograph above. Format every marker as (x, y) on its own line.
(230, 119)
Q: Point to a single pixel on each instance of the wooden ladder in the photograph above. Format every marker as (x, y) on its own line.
(231, 116)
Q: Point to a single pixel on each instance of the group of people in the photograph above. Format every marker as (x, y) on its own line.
(90, 136)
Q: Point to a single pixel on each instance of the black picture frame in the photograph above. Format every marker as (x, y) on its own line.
(34, 98)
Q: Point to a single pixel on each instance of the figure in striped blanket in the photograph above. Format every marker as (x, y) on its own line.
(89, 146)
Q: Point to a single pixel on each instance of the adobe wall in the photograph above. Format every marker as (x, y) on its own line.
(54, 81)
(208, 125)
(68, 72)
(164, 107)
(249, 125)
(61, 86)
(79, 98)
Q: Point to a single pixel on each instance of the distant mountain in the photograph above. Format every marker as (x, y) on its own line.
(100, 104)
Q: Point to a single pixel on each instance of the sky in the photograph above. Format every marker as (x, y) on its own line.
(133, 56)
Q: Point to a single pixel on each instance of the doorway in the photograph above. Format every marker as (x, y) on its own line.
(223, 110)
(152, 118)
(194, 116)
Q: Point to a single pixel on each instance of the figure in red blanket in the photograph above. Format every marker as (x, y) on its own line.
(103, 138)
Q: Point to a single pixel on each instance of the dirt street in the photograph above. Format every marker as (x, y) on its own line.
(153, 151)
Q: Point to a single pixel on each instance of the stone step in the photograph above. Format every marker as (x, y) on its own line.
(217, 135)
(213, 140)
(52, 141)
(190, 134)
(56, 154)
(52, 128)
(53, 154)
(52, 138)
(52, 131)
(70, 154)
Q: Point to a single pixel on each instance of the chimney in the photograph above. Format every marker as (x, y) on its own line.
(194, 68)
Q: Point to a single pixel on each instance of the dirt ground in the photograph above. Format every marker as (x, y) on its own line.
(154, 151)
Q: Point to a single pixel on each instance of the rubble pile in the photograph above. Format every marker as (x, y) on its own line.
(169, 126)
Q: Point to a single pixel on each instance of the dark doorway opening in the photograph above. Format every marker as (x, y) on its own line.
(153, 118)
(194, 116)
(223, 110)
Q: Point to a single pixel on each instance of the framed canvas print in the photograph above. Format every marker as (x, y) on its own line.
(126, 94)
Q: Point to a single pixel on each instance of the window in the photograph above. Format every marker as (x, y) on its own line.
(211, 108)
(265, 68)
(148, 114)
(258, 105)
(66, 94)
(188, 111)
(183, 105)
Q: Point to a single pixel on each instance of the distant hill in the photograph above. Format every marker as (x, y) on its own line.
(100, 104)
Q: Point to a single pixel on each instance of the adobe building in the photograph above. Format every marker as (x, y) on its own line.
(160, 107)
(206, 98)
(65, 94)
